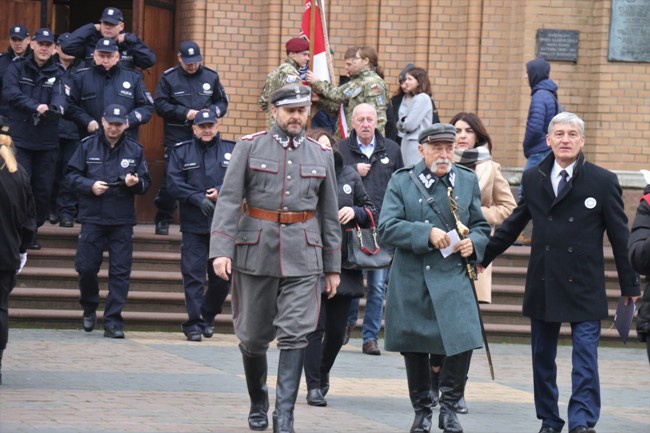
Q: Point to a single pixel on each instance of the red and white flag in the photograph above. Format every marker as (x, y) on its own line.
(320, 47)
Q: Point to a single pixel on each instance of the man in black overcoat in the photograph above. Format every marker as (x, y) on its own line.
(572, 203)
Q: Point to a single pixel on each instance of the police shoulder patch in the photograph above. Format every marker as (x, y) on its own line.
(182, 143)
(170, 70)
(252, 136)
(88, 137)
(18, 59)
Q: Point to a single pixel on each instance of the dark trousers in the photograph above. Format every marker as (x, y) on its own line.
(64, 200)
(202, 305)
(93, 240)
(41, 168)
(7, 283)
(165, 203)
(324, 344)
(584, 404)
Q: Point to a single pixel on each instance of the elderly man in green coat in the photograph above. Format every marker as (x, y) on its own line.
(430, 308)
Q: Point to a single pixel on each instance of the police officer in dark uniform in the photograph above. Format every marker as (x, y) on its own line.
(95, 88)
(182, 91)
(18, 47)
(195, 174)
(63, 204)
(33, 87)
(133, 52)
(107, 170)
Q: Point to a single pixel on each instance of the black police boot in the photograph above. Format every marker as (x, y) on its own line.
(286, 391)
(162, 228)
(256, 369)
(324, 382)
(452, 388)
(418, 377)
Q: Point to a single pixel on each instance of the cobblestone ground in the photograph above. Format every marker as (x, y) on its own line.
(69, 381)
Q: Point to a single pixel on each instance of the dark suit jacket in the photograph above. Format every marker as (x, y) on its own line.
(565, 281)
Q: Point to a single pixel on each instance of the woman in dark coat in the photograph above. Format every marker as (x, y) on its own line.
(17, 226)
(326, 341)
(639, 254)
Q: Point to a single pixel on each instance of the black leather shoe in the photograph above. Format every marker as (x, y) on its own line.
(461, 406)
(66, 222)
(194, 336)
(370, 347)
(348, 331)
(547, 429)
(315, 398)
(53, 218)
(208, 331)
(324, 383)
(89, 321)
(34, 246)
(113, 332)
(162, 228)
(583, 429)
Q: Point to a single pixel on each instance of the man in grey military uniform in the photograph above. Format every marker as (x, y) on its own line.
(276, 249)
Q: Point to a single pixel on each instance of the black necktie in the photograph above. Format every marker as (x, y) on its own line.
(564, 175)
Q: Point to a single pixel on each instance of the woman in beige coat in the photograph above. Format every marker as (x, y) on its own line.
(474, 150)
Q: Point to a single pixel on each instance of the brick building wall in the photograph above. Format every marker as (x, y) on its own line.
(475, 52)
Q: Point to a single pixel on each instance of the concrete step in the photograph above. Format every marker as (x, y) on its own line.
(63, 258)
(517, 275)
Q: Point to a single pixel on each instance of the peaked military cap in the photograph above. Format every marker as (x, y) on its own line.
(115, 113)
(438, 132)
(44, 35)
(112, 15)
(291, 95)
(205, 116)
(106, 44)
(18, 31)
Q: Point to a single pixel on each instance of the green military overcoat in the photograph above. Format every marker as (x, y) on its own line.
(430, 307)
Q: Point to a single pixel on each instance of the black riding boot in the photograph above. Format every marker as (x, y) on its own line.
(435, 391)
(418, 374)
(286, 390)
(452, 388)
(256, 369)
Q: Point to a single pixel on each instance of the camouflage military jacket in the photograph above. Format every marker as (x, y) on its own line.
(366, 87)
(286, 73)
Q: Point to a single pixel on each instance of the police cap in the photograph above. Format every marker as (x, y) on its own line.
(190, 52)
(291, 95)
(106, 44)
(205, 116)
(18, 31)
(112, 15)
(44, 35)
(115, 113)
(438, 132)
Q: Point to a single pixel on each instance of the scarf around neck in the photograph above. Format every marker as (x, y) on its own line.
(473, 156)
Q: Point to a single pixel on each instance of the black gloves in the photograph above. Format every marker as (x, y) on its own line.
(207, 207)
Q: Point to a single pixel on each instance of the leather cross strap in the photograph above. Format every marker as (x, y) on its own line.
(281, 217)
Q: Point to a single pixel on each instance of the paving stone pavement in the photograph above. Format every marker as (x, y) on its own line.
(66, 381)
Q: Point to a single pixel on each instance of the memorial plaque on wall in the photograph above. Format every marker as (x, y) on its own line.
(557, 45)
(629, 31)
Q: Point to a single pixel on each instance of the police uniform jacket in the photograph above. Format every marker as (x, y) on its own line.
(67, 128)
(133, 52)
(430, 307)
(95, 160)
(271, 175)
(5, 61)
(195, 167)
(384, 161)
(17, 217)
(565, 280)
(179, 92)
(25, 87)
(95, 88)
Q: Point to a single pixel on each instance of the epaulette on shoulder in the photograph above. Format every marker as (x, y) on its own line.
(181, 143)
(172, 69)
(86, 68)
(252, 136)
(404, 169)
(321, 145)
(88, 137)
(462, 167)
(18, 59)
(209, 69)
(646, 198)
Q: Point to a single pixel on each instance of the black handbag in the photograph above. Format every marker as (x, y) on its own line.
(363, 249)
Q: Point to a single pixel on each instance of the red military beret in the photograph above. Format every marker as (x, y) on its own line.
(297, 45)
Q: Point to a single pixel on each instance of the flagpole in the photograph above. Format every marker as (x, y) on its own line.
(312, 32)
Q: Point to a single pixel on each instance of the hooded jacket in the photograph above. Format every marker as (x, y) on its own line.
(543, 106)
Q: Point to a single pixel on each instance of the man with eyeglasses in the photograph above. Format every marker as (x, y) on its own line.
(194, 176)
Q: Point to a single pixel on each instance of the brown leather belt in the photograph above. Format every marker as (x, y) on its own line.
(280, 216)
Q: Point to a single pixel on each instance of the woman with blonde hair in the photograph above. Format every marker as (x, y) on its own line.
(17, 226)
